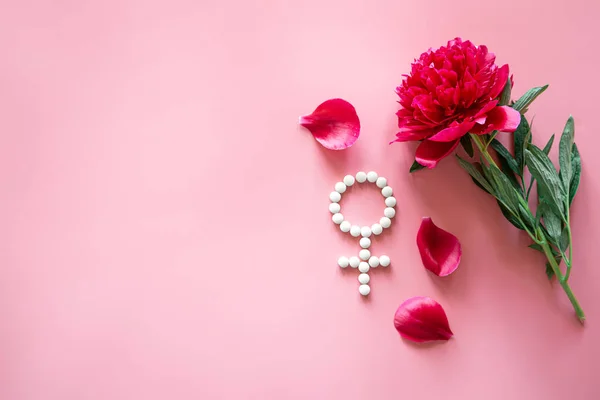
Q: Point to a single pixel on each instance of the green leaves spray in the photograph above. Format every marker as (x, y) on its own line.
(505, 179)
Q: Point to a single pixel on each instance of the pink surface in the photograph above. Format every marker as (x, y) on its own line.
(164, 225)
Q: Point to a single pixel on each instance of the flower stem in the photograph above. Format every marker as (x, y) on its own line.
(539, 238)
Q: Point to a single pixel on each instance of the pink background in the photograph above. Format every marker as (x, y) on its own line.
(164, 231)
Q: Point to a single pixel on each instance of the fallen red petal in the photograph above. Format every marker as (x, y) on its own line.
(422, 319)
(334, 124)
(440, 250)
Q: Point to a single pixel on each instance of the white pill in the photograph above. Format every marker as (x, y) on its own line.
(345, 226)
(340, 187)
(364, 278)
(381, 182)
(372, 176)
(390, 201)
(376, 229)
(355, 230)
(361, 177)
(354, 261)
(339, 218)
(387, 191)
(363, 267)
(335, 197)
(348, 180)
(334, 208)
(364, 254)
(365, 231)
(364, 290)
(365, 243)
(385, 222)
(389, 212)
(384, 261)
(374, 262)
(343, 262)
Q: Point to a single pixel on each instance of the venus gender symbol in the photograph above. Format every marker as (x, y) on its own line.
(365, 261)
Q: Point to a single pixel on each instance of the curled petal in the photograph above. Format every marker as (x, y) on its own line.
(422, 319)
(430, 153)
(440, 250)
(502, 118)
(334, 124)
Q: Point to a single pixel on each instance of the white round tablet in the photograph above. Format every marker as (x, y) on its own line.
(364, 254)
(384, 261)
(335, 197)
(364, 290)
(334, 208)
(348, 180)
(365, 243)
(374, 262)
(363, 267)
(345, 226)
(364, 278)
(340, 187)
(387, 191)
(337, 218)
(354, 261)
(381, 182)
(355, 230)
(372, 176)
(376, 229)
(343, 262)
(390, 201)
(385, 222)
(361, 177)
(389, 212)
(365, 231)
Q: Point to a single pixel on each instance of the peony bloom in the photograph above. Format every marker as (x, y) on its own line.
(450, 92)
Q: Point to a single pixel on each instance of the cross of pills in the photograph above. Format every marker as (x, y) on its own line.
(365, 261)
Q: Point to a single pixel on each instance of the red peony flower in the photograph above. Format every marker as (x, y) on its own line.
(450, 92)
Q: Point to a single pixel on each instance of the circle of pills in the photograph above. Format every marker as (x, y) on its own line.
(365, 261)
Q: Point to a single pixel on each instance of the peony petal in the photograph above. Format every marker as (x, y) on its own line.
(453, 133)
(501, 78)
(502, 118)
(334, 124)
(430, 153)
(422, 319)
(440, 250)
(410, 136)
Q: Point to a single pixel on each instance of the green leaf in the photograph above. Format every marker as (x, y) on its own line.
(564, 155)
(505, 95)
(552, 223)
(549, 270)
(526, 216)
(537, 247)
(475, 174)
(576, 170)
(505, 155)
(521, 136)
(505, 191)
(563, 242)
(544, 172)
(466, 143)
(528, 98)
(510, 217)
(415, 167)
(548, 145)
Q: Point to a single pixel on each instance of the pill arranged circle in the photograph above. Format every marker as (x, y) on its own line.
(364, 261)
